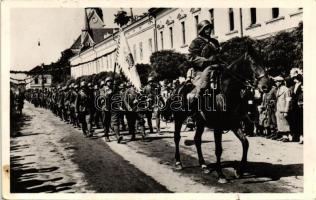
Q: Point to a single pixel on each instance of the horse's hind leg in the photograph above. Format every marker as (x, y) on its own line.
(218, 153)
(177, 130)
(245, 145)
(198, 142)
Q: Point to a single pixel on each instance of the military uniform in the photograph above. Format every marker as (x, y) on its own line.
(105, 95)
(203, 52)
(153, 93)
(67, 105)
(72, 106)
(130, 104)
(84, 104)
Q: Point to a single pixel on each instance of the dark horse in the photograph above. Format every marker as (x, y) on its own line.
(235, 78)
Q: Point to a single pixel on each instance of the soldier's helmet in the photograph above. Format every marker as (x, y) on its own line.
(129, 84)
(108, 79)
(150, 79)
(121, 86)
(203, 24)
(102, 83)
(82, 84)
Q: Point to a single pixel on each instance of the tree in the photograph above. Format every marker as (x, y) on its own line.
(121, 18)
(233, 48)
(144, 70)
(284, 51)
(166, 64)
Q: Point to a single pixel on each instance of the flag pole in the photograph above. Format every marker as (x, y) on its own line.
(116, 56)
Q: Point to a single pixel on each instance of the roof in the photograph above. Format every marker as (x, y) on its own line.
(98, 34)
(77, 43)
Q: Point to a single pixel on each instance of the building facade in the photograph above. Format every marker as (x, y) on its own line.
(40, 81)
(175, 28)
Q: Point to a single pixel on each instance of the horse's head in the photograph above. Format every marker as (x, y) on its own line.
(259, 78)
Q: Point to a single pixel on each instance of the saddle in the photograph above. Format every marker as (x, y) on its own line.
(219, 101)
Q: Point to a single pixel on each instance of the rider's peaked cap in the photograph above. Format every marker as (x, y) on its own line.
(203, 24)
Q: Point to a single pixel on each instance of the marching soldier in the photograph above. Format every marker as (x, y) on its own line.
(98, 112)
(153, 92)
(110, 113)
(67, 94)
(130, 103)
(105, 92)
(122, 89)
(60, 100)
(84, 104)
(72, 105)
(76, 92)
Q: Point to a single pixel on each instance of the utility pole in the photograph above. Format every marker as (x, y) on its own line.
(43, 86)
(241, 25)
(132, 16)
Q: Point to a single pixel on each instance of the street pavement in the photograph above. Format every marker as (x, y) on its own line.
(48, 155)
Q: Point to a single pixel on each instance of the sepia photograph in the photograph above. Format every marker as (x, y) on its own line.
(158, 99)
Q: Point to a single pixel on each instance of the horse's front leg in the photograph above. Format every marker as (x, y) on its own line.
(198, 142)
(245, 145)
(218, 153)
(178, 121)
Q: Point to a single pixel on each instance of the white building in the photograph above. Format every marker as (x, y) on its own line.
(175, 28)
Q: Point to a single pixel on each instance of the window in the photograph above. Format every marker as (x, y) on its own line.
(231, 19)
(161, 38)
(141, 51)
(275, 13)
(150, 45)
(253, 16)
(171, 37)
(183, 33)
(44, 80)
(212, 20)
(36, 80)
(196, 18)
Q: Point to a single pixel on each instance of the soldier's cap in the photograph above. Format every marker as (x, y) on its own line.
(76, 86)
(89, 84)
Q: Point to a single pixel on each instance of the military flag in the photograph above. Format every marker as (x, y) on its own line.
(125, 61)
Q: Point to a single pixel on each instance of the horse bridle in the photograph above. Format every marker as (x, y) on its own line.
(245, 81)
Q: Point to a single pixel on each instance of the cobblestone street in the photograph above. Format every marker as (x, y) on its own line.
(48, 155)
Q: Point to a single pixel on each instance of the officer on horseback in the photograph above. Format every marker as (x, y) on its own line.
(202, 54)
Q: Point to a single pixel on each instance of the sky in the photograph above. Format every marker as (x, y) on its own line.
(55, 28)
